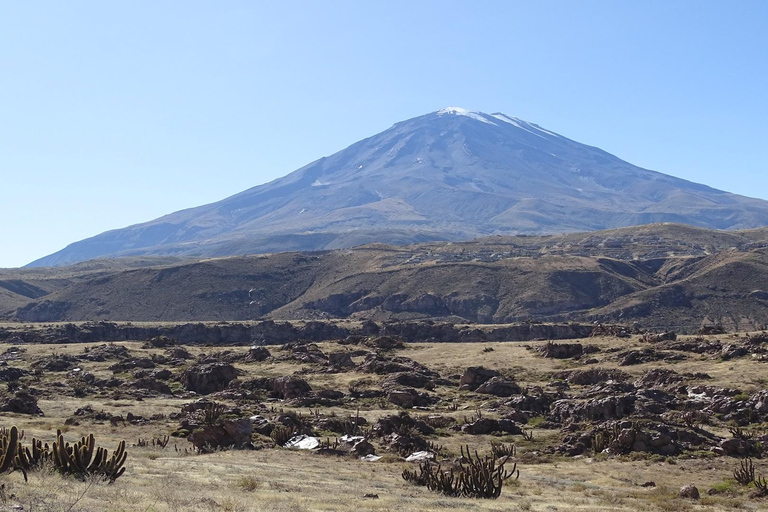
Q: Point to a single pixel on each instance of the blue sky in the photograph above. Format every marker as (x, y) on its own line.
(115, 113)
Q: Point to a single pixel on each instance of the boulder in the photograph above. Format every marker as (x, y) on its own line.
(381, 365)
(257, 354)
(659, 377)
(341, 360)
(565, 350)
(484, 426)
(159, 342)
(422, 456)
(22, 402)
(386, 342)
(407, 379)
(208, 377)
(591, 376)
(9, 374)
(55, 363)
(732, 352)
(689, 491)
(303, 442)
(105, 352)
(225, 434)
(132, 363)
(408, 398)
(736, 447)
(474, 376)
(290, 386)
(499, 386)
(596, 409)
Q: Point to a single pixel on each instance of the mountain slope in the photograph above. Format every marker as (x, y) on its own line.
(661, 275)
(448, 175)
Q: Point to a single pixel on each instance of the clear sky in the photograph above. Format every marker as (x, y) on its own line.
(114, 113)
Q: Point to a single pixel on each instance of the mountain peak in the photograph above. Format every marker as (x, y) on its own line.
(453, 174)
(458, 111)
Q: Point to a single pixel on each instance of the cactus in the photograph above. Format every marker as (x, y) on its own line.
(79, 459)
(475, 477)
(281, 434)
(745, 474)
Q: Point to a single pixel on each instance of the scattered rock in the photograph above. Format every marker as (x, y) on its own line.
(10, 374)
(105, 353)
(132, 363)
(208, 378)
(657, 338)
(303, 442)
(225, 434)
(422, 456)
(159, 342)
(22, 402)
(408, 398)
(499, 386)
(257, 354)
(591, 376)
(566, 350)
(290, 386)
(341, 360)
(689, 491)
(474, 376)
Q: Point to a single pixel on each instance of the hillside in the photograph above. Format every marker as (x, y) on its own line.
(448, 175)
(659, 275)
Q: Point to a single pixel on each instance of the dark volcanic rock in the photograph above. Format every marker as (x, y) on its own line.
(375, 363)
(105, 353)
(484, 426)
(132, 363)
(9, 374)
(290, 386)
(565, 350)
(22, 402)
(408, 379)
(409, 397)
(591, 376)
(258, 354)
(208, 378)
(499, 386)
(55, 363)
(226, 434)
(341, 360)
(596, 409)
(474, 376)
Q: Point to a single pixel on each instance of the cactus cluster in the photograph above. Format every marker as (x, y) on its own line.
(81, 459)
(475, 477)
(281, 434)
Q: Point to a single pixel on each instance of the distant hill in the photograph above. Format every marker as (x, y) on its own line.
(449, 175)
(662, 275)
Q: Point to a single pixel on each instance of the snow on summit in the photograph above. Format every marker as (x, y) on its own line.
(458, 111)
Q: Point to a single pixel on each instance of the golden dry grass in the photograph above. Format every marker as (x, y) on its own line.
(284, 480)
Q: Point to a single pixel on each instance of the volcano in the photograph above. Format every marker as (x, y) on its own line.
(453, 174)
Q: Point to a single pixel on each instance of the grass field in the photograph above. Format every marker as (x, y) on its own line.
(287, 480)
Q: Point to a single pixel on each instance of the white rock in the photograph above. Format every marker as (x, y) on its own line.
(420, 457)
(303, 442)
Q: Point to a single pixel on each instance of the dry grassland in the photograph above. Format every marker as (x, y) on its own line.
(277, 479)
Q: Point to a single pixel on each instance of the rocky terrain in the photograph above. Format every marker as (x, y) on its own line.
(662, 276)
(617, 420)
(448, 175)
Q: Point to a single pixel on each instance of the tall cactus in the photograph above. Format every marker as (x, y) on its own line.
(79, 459)
(475, 477)
(9, 446)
